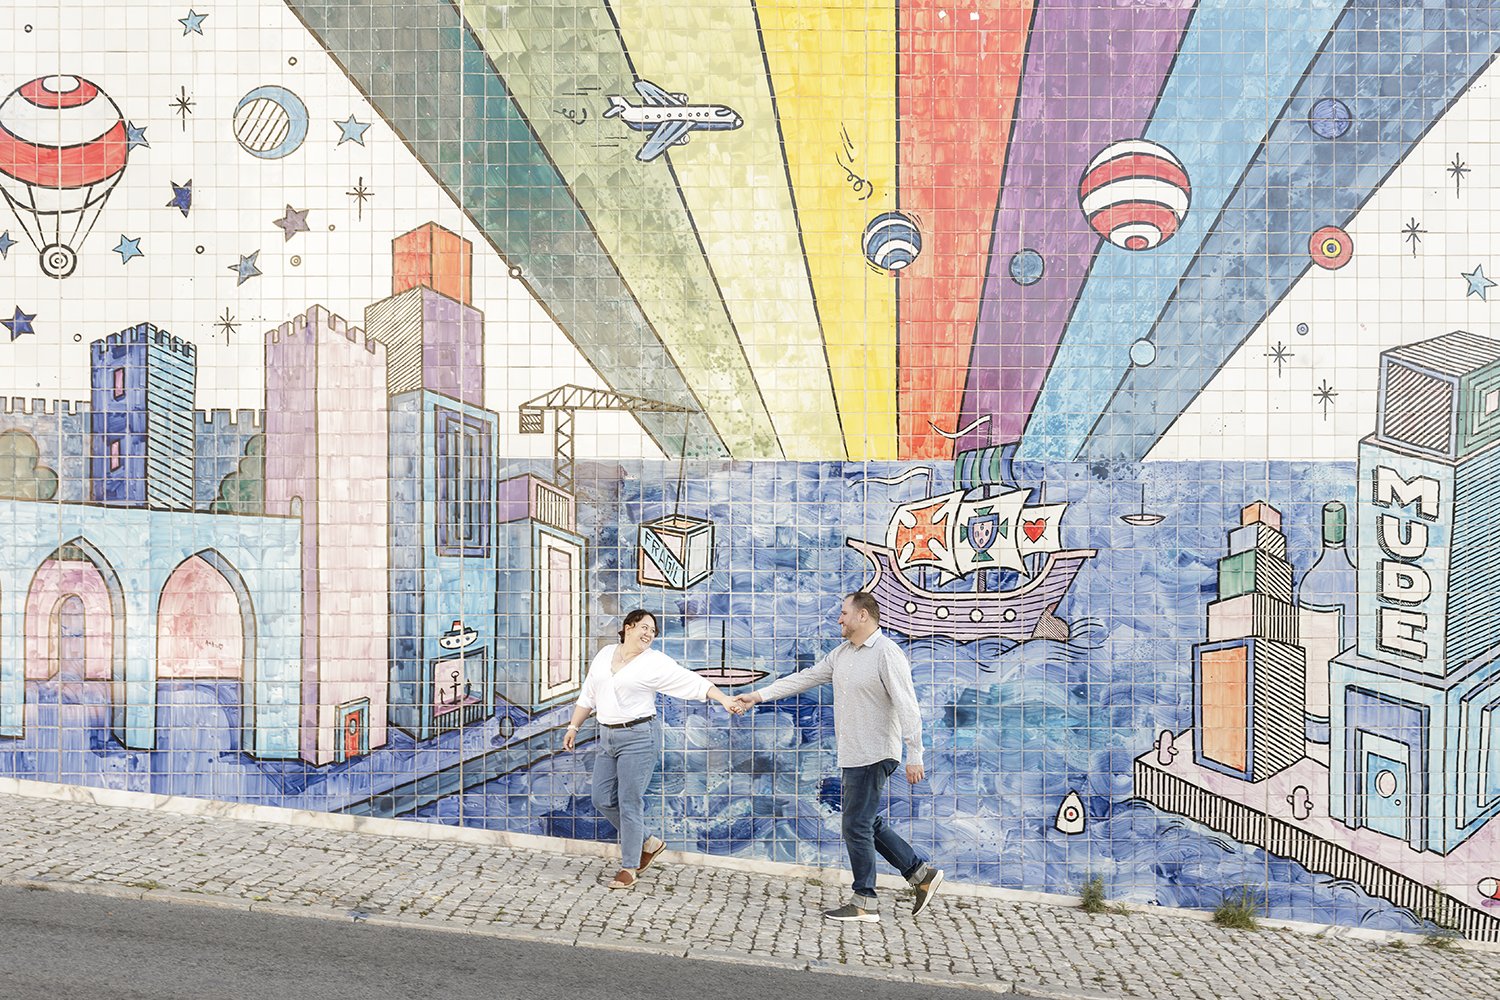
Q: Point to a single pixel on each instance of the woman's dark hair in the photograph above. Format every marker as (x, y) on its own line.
(636, 616)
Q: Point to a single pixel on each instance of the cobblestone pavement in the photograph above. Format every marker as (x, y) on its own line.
(1035, 948)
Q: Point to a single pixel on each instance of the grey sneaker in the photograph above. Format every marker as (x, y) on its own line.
(926, 890)
(851, 912)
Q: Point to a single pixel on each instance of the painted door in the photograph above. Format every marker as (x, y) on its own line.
(1387, 795)
(72, 643)
(353, 727)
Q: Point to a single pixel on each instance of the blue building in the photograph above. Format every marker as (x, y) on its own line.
(443, 563)
(141, 424)
(1415, 706)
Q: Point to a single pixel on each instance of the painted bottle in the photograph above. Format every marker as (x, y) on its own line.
(1326, 621)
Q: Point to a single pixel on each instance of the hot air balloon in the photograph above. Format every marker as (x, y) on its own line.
(62, 151)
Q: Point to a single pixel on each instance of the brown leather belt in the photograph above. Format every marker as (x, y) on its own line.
(627, 725)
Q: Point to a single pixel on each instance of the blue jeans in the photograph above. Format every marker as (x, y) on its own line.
(623, 766)
(866, 832)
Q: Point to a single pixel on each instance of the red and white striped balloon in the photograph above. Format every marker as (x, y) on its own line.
(1135, 194)
(63, 147)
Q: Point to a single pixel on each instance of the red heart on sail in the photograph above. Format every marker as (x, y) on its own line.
(1034, 529)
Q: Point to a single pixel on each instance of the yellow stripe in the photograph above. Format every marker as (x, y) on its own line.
(735, 186)
(634, 207)
(834, 69)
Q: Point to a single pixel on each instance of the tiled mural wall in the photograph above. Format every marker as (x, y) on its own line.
(366, 361)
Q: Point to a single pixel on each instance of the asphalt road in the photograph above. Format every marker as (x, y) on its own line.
(61, 945)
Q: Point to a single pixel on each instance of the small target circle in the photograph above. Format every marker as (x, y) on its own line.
(198, 248)
(296, 261)
(515, 270)
(1303, 329)
(77, 338)
(1330, 248)
(292, 61)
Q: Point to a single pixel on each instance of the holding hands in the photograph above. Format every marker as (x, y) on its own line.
(734, 706)
(744, 702)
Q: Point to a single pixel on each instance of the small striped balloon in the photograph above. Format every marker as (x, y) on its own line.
(892, 241)
(1135, 194)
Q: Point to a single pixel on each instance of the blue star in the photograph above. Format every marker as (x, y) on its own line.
(193, 22)
(353, 131)
(18, 324)
(6, 243)
(246, 267)
(182, 197)
(135, 136)
(128, 248)
(1478, 284)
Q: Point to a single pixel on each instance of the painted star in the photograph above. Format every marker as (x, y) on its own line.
(135, 136)
(129, 248)
(182, 105)
(182, 197)
(353, 131)
(5, 244)
(1325, 395)
(1457, 168)
(1279, 354)
(19, 324)
(1478, 284)
(226, 324)
(1413, 234)
(361, 194)
(246, 267)
(193, 22)
(293, 222)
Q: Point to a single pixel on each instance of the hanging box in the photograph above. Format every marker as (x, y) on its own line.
(675, 551)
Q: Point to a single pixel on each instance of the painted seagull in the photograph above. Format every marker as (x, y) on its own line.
(669, 118)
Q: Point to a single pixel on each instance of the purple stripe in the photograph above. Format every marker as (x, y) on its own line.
(1077, 96)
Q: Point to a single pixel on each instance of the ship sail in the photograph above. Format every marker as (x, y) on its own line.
(1039, 529)
(921, 533)
(987, 532)
(958, 537)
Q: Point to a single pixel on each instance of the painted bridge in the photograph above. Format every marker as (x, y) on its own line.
(138, 558)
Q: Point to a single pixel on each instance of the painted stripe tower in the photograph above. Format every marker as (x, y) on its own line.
(1249, 677)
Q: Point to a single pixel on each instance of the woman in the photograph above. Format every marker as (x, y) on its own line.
(622, 684)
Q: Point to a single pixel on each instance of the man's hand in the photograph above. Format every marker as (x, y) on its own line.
(914, 773)
(568, 739)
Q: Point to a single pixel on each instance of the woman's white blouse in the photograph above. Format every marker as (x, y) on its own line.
(631, 693)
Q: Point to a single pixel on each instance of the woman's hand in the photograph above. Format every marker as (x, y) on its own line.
(568, 738)
(731, 705)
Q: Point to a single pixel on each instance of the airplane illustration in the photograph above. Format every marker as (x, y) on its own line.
(669, 118)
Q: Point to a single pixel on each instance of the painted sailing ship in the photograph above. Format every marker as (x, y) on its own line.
(965, 534)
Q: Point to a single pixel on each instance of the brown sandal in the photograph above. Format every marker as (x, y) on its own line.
(624, 879)
(649, 856)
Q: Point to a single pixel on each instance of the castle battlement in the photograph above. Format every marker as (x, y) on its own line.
(142, 334)
(21, 406)
(215, 420)
(317, 317)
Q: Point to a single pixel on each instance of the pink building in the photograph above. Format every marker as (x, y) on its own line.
(327, 459)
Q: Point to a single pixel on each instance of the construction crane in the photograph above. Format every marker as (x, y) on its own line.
(566, 400)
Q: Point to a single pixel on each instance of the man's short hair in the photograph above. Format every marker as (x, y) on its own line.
(865, 601)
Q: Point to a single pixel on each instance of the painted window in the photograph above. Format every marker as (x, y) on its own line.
(1491, 401)
(119, 383)
(115, 461)
(463, 485)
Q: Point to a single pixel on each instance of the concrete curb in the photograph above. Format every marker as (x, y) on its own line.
(436, 832)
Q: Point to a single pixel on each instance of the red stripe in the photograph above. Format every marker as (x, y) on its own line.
(68, 167)
(1134, 165)
(1107, 220)
(39, 95)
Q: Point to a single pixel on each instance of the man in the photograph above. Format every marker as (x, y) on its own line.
(874, 713)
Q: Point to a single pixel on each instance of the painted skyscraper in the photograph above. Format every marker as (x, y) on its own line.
(1415, 709)
(443, 546)
(327, 459)
(143, 383)
(1248, 678)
